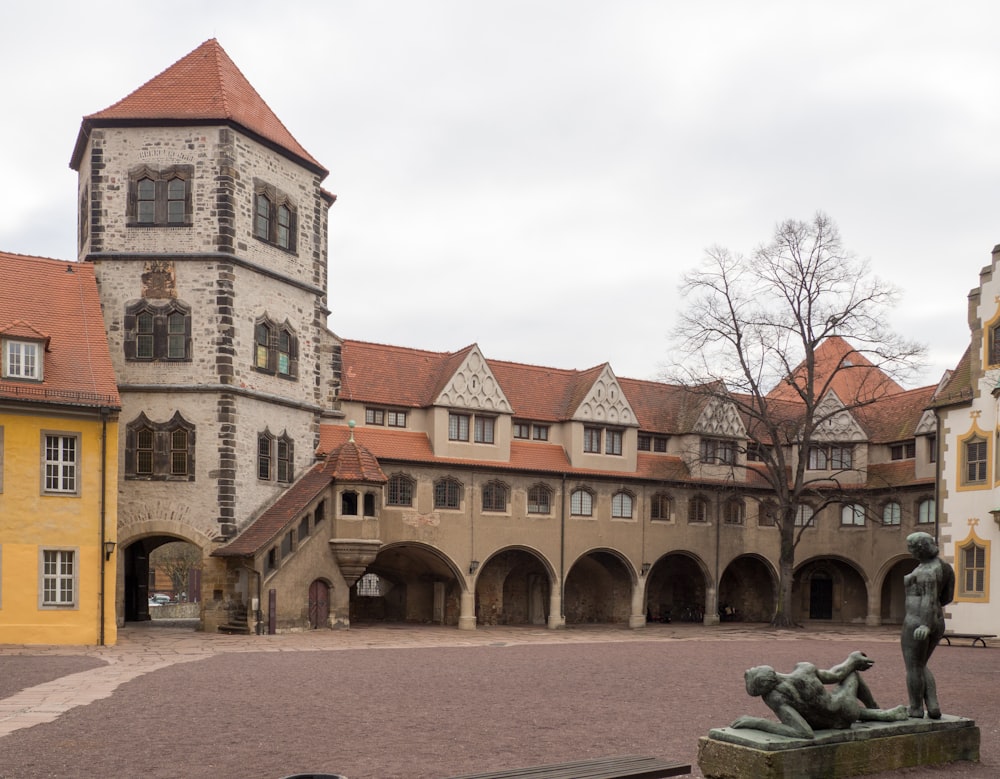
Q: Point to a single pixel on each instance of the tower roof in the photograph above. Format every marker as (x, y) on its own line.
(205, 87)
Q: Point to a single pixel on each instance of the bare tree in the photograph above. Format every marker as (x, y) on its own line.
(176, 560)
(753, 335)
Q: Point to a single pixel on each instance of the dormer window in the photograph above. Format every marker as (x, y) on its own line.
(718, 451)
(22, 360)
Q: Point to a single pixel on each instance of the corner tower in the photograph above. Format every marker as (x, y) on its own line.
(206, 222)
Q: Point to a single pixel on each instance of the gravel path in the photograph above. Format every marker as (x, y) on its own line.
(427, 713)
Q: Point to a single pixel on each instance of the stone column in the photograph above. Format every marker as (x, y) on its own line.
(711, 606)
(874, 617)
(467, 610)
(637, 619)
(556, 620)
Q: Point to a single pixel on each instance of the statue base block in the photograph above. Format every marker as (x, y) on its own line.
(866, 748)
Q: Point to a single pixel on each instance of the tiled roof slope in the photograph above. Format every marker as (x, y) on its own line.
(958, 387)
(57, 301)
(347, 462)
(399, 376)
(894, 418)
(205, 86)
(859, 378)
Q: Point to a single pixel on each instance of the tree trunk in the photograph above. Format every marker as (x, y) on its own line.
(783, 602)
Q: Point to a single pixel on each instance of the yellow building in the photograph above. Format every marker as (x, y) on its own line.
(58, 456)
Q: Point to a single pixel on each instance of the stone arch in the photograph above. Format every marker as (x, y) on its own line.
(747, 589)
(888, 583)
(598, 588)
(135, 543)
(422, 584)
(677, 588)
(514, 586)
(830, 588)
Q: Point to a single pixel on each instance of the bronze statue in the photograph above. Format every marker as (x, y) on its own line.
(803, 703)
(928, 588)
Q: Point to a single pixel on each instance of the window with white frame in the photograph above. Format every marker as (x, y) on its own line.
(59, 578)
(22, 360)
(62, 456)
(926, 512)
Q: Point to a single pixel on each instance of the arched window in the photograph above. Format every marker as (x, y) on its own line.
(160, 451)
(852, 515)
(661, 507)
(275, 217)
(284, 238)
(971, 570)
(176, 201)
(735, 511)
(892, 513)
(275, 457)
(804, 515)
(447, 494)
(539, 499)
(158, 333)
(697, 510)
(581, 503)
(400, 490)
(159, 197)
(621, 505)
(767, 515)
(145, 195)
(926, 512)
(494, 496)
(349, 503)
(275, 349)
(262, 217)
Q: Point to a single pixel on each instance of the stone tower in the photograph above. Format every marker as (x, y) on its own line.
(206, 223)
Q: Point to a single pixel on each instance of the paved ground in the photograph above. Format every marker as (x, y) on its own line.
(423, 702)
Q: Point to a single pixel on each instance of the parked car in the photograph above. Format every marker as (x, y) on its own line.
(158, 599)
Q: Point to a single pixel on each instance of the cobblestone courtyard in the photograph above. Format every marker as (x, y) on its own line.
(423, 702)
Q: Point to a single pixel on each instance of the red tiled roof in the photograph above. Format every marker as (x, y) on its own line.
(895, 474)
(286, 509)
(896, 417)
(352, 462)
(856, 377)
(958, 386)
(205, 86)
(57, 302)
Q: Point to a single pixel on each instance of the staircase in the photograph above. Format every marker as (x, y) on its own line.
(237, 624)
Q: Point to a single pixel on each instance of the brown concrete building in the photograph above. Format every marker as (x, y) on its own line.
(331, 481)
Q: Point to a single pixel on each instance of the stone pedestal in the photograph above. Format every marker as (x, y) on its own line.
(867, 748)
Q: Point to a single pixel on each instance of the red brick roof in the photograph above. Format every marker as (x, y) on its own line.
(56, 302)
(894, 418)
(203, 87)
(856, 376)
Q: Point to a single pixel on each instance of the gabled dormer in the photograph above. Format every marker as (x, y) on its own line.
(603, 425)
(23, 347)
(471, 415)
(837, 440)
(721, 440)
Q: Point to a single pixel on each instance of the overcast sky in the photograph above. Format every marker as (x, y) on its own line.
(536, 176)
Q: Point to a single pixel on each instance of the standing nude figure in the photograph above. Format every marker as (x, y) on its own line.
(803, 703)
(928, 588)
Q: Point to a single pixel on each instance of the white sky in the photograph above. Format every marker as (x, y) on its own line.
(536, 176)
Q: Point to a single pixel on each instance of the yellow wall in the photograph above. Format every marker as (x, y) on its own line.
(31, 521)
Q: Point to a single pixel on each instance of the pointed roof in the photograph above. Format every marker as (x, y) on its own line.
(205, 87)
(57, 302)
(854, 377)
(353, 462)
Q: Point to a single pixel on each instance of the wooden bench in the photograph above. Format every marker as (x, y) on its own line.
(627, 767)
(977, 638)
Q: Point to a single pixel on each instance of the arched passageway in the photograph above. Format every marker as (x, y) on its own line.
(598, 589)
(407, 583)
(160, 570)
(676, 590)
(892, 596)
(831, 590)
(746, 591)
(513, 588)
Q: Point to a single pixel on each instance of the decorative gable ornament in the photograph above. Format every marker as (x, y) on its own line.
(474, 386)
(927, 424)
(720, 418)
(839, 424)
(606, 402)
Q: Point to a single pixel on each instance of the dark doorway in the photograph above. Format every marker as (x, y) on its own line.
(821, 596)
(319, 604)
